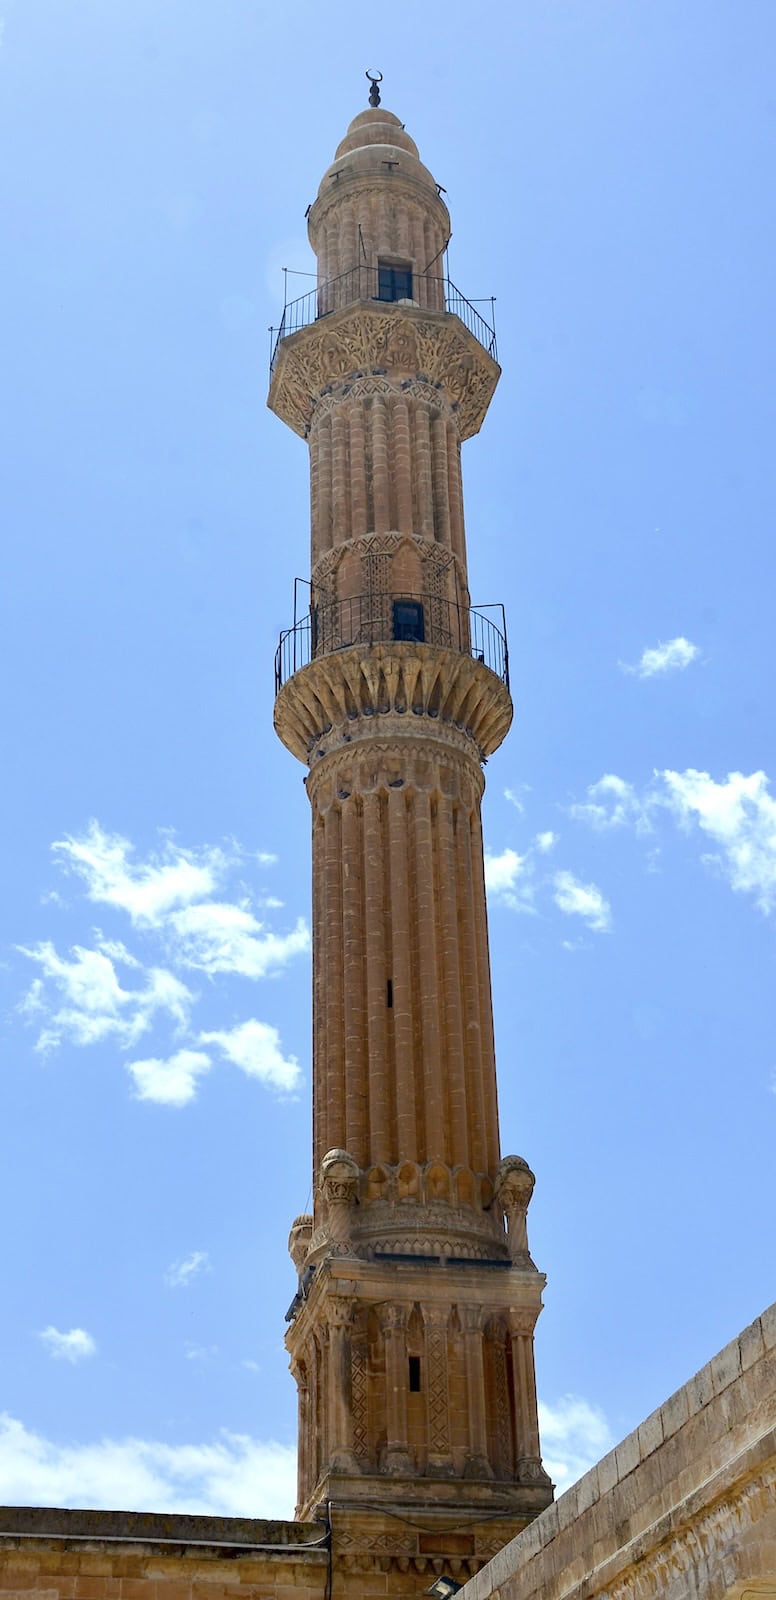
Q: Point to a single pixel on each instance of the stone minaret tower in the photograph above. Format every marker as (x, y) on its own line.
(411, 1336)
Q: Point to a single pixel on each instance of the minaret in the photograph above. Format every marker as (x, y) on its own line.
(411, 1336)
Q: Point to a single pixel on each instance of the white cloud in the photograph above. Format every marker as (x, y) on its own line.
(220, 937)
(231, 1476)
(546, 841)
(181, 1273)
(513, 796)
(172, 1081)
(502, 872)
(739, 814)
(147, 892)
(574, 1436)
(508, 877)
(201, 1353)
(673, 656)
(84, 1001)
(612, 803)
(255, 1047)
(582, 900)
(84, 997)
(77, 1345)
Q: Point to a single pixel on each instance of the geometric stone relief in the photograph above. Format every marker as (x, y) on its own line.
(436, 558)
(421, 347)
(366, 388)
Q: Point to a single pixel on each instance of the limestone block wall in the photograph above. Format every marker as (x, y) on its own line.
(684, 1508)
(120, 1555)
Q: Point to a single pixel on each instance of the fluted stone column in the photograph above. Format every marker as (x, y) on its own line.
(393, 1326)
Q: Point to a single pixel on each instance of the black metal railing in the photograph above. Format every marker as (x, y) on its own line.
(366, 283)
(420, 619)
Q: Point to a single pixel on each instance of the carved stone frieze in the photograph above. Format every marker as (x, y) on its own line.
(431, 347)
(348, 693)
(447, 766)
(436, 557)
(363, 387)
(718, 1529)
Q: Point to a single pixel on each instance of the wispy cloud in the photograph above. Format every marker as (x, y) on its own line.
(736, 813)
(515, 797)
(524, 883)
(173, 892)
(147, 891)
(171, 1080)
(229, 1477)
(575, 1434)
(611, 803)
(75, 1346)
(673, 656)
(584, 900)
(508, 878)
(546, 841)
(201, 1353)
(182, 1273)
(216, 937)
(177, 902)
(255, 1047)
(83, 1000)
(739, 815)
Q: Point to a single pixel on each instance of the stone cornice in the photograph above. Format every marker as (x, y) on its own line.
(430, 347)
(392, 690)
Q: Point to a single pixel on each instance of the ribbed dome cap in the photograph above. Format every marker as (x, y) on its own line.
(375, 138)
(376, 126)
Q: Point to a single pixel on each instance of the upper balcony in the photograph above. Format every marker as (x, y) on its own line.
(383, 285)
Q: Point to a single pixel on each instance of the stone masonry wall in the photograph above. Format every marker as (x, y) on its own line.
(119, 1555)
(684, 1508)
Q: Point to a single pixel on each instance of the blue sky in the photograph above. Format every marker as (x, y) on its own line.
(608, 168)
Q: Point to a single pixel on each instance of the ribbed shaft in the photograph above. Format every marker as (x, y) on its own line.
(382, 463)
(401, 942)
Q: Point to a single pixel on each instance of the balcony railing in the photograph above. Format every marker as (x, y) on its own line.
(419, 619)
(364, 283)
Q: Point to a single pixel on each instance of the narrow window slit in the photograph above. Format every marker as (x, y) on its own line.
(389, 993)
(414, 1364)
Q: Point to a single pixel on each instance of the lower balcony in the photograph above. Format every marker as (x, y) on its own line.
(419, 619)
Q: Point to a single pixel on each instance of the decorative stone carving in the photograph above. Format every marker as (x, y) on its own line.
(339, 1192)
(347, 694)
(299, 1240)
(424, 346)
(514, 1187)
(438, 1407)
(359, 1397)
(436, 558)
(364, 388)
